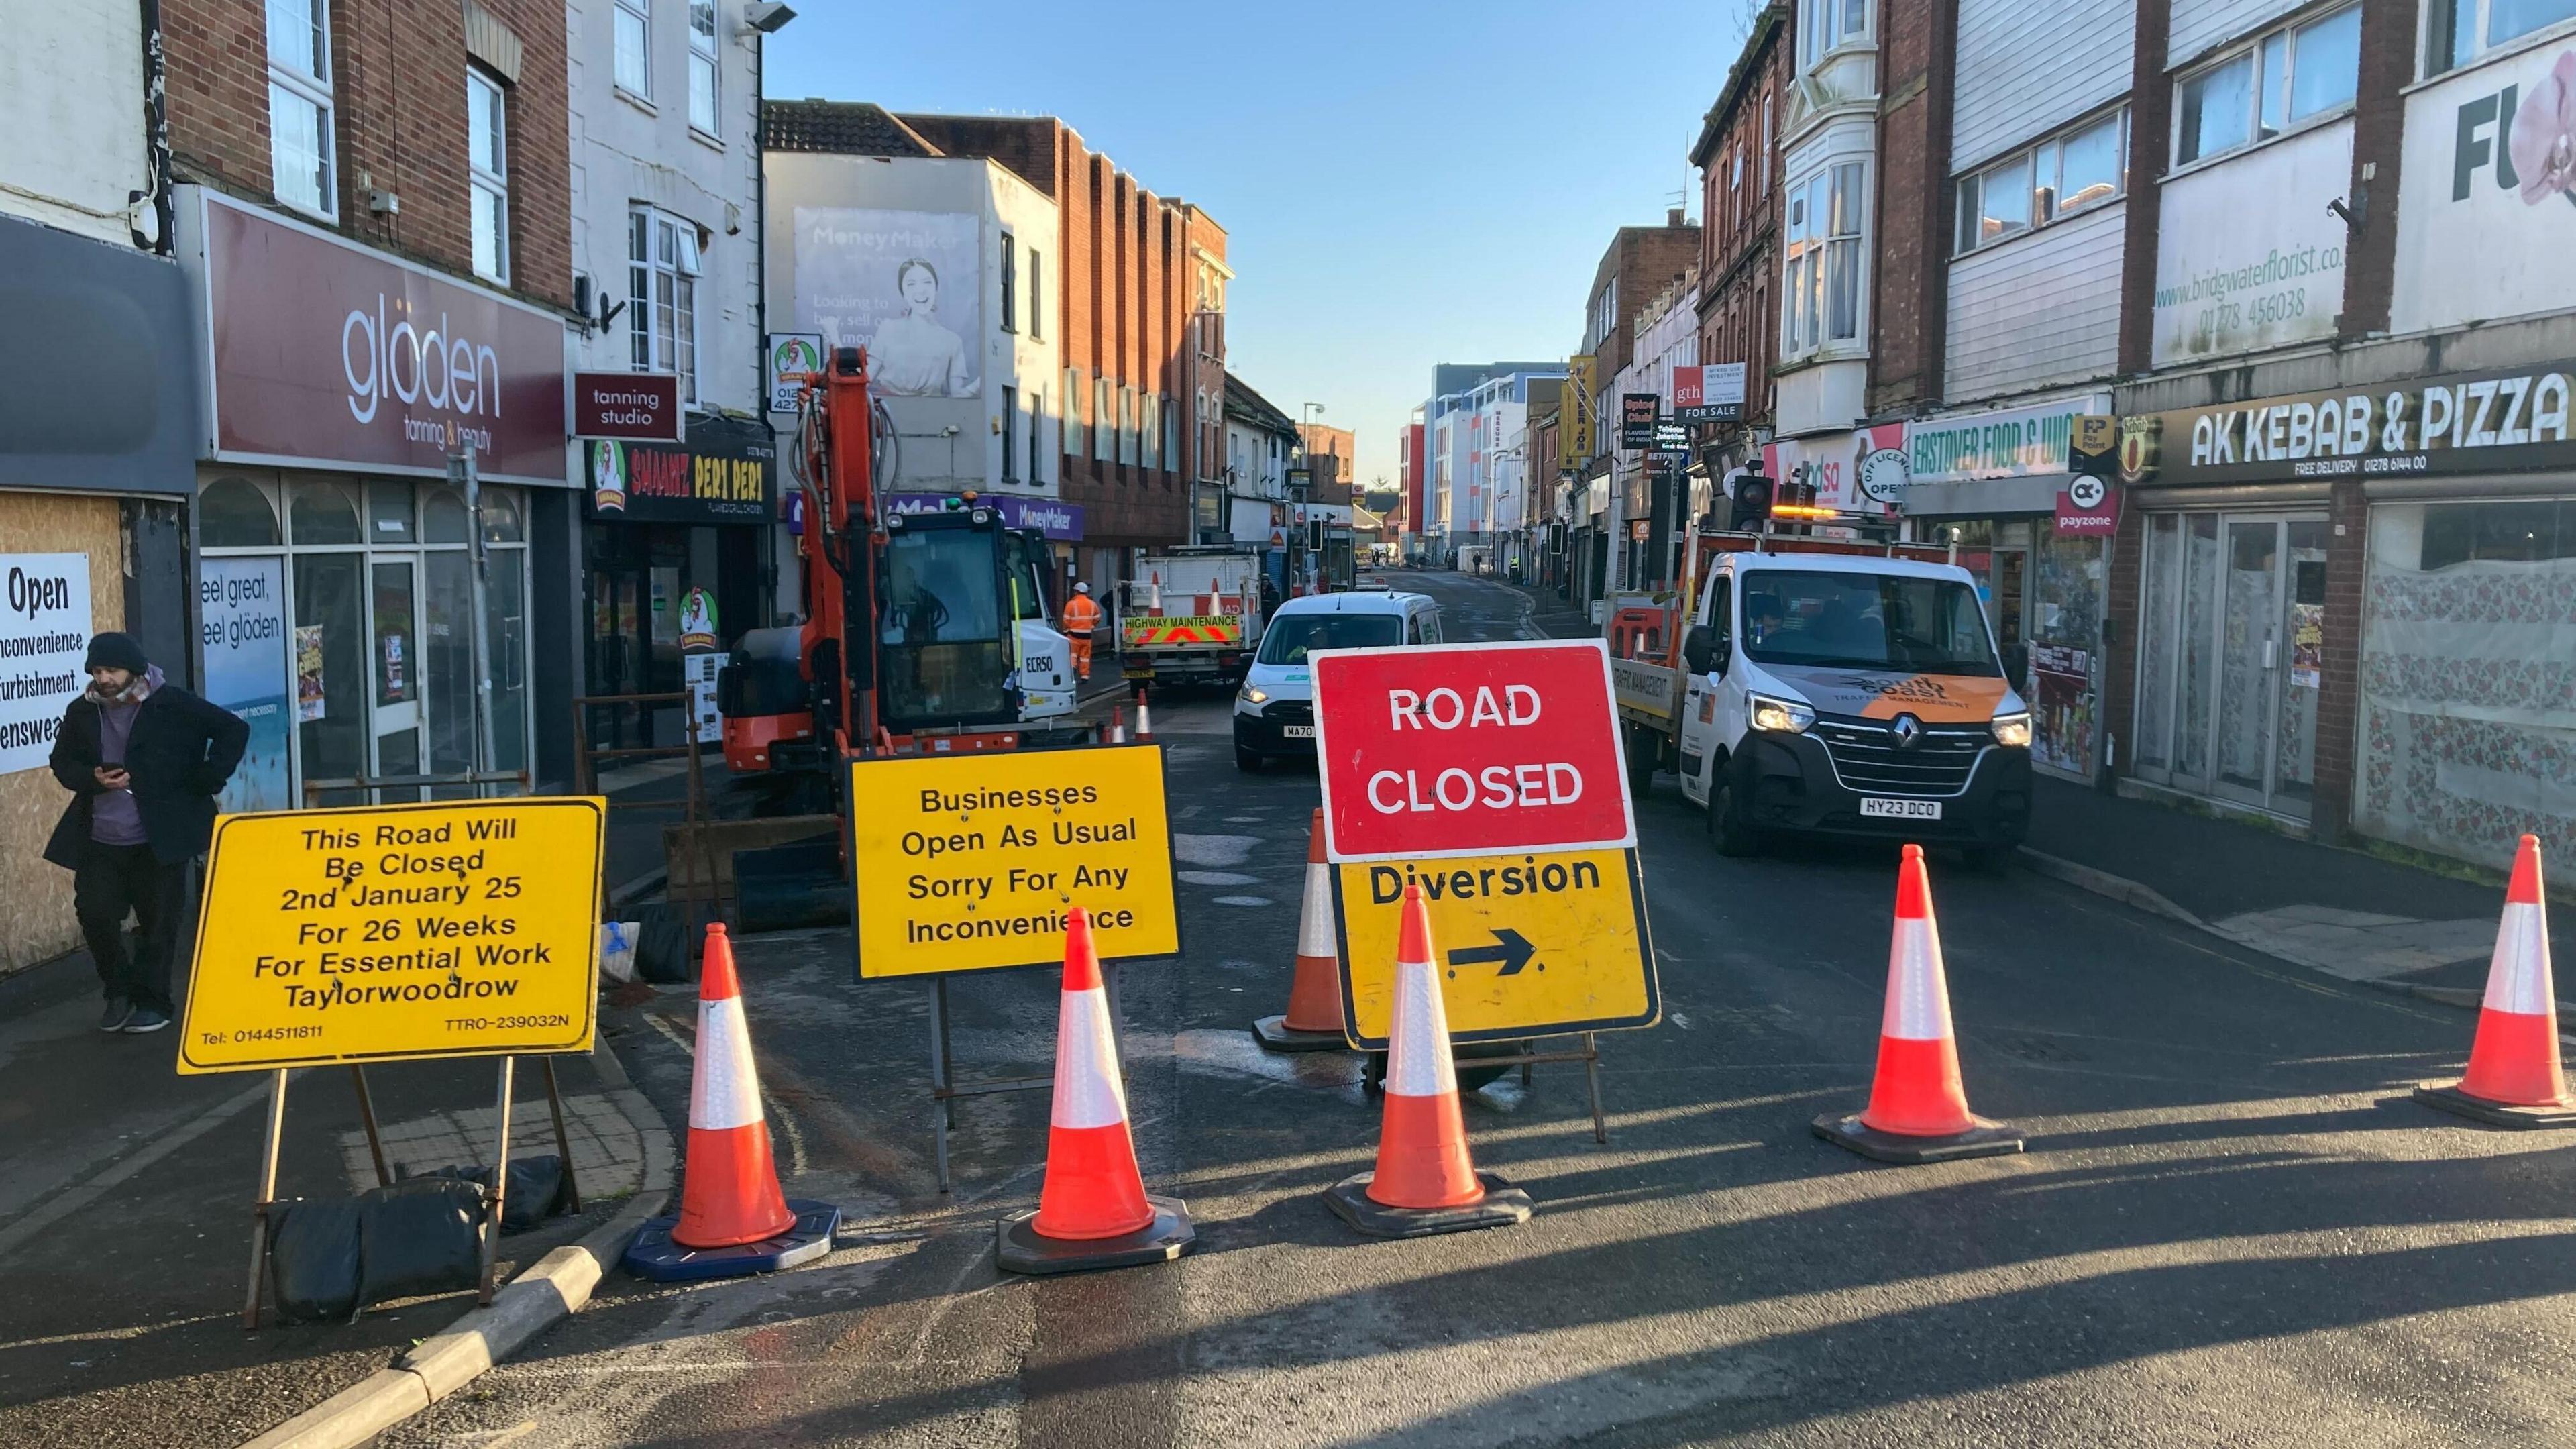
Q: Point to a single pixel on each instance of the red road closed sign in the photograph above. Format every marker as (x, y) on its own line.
(1470, 749)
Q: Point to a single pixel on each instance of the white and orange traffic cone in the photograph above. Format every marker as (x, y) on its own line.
(1117, 725)
(1313, 1021)
(1144, 720)
(1918, 1111)
(1093, 1210)
(733, 1219)
(1425, 1182)
(2514, 1078)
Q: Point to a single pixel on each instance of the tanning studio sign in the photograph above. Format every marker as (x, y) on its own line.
(2482, 422)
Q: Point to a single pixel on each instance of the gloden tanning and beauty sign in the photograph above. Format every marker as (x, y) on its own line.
(1469, 749)
(462, 928)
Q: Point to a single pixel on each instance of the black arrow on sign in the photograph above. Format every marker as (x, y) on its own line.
(1513, 950)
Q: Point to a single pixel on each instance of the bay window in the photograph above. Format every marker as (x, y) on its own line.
(1821, 281)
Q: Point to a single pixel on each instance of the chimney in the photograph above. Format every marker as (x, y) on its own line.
(1673, 217)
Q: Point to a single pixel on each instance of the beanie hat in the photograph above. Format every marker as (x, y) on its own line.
(116, 651)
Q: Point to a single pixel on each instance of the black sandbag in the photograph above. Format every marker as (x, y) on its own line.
(417, 1238)
(313, 1259)
(536, 1188)
(661, 947)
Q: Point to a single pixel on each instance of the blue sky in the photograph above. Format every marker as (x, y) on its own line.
(1401, 183)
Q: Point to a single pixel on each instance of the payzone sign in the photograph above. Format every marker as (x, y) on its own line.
(1470, 749)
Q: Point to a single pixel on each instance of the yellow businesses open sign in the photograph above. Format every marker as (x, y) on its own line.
(1525, 944)
(971, 862)
(468, 928)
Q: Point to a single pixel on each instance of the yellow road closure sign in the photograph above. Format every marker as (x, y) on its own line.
(971, 862)
(464, 928)
(1525, 944)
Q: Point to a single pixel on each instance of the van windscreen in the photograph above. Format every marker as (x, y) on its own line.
(1291, 637)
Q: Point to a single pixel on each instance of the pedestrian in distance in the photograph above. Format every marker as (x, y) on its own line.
(1081, 616)
(144, 760)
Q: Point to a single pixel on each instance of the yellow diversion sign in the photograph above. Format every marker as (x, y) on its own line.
(971, 862)
(465, 928)
(1524, 944)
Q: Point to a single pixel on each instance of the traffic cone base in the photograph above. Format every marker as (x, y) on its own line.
(1313, 1020)
(1166, 1235)
(2448, 1097)
(808, 1236)
(1981, 1138)
(1497, 1204)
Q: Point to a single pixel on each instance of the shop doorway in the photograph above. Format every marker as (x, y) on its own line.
(2231, 657)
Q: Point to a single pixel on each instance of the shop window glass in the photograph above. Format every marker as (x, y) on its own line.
(442, 514)
(320, 511)
(502, 519)
(2467, 729)
(388, 511)
(234, 512)
(447, 660)
(505, 610)
(332, 705)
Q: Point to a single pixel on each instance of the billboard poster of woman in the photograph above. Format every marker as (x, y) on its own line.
(906, 285)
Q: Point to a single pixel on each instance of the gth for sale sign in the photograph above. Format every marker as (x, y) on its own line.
(1469, 749)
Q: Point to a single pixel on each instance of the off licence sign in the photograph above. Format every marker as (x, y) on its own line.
(467, 928)
(1470, 749)
(1522, 945)
(974, 862)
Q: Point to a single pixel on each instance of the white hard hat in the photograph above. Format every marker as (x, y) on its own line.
(1082, 588)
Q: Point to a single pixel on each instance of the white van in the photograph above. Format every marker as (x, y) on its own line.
(1274, 712)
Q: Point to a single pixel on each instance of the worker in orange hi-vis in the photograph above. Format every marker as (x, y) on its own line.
(1081, 616)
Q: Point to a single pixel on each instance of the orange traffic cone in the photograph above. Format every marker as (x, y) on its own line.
(1917, 1112)
(1313, 1021)
(2514, 1078)
(1144, 720)
(1117, 725)
(1093, 1210)
(1425, 1181)
(733, 1219)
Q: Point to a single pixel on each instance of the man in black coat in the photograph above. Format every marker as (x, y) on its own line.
(144, 760)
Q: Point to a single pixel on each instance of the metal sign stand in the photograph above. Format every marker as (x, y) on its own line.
(493, 1196)
(945, 1090)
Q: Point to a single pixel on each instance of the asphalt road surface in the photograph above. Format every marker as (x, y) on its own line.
(2231, 1227)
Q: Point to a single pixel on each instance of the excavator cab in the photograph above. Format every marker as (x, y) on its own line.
(946, 628)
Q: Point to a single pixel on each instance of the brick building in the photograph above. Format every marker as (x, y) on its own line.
(1640, 267)
(1739, 268)
(372, 213)
(1332, 456)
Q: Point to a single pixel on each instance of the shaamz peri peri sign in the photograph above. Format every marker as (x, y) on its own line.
(461, 928)
(972, 862)
(1470, 749)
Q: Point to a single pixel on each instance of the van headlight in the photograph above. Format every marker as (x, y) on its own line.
(1780, 716)
(2013, 730)
(1254, 694)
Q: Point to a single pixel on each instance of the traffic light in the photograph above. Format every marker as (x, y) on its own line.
(1751, 502)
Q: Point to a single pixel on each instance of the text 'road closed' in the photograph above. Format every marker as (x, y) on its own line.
(973, 862)
(466, 928)
(1465, 749)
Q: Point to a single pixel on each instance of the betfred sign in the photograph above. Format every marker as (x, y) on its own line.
(325, 352)
(1469, 749)
(635, 407)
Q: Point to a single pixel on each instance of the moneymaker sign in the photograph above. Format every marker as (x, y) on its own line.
(464, 928)
(972, 862)
(2498, 420)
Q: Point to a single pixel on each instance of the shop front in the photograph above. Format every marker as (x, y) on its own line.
(677, 554)
(385, 470)
(2359, 608)
(1997, 484)
(96, 457)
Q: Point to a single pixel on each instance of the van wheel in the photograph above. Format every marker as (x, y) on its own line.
(1735, 835)
(1644, 748)
(1246, 761)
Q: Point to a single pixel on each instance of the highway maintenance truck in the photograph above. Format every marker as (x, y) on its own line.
(1190, 616)
(1825, 686)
